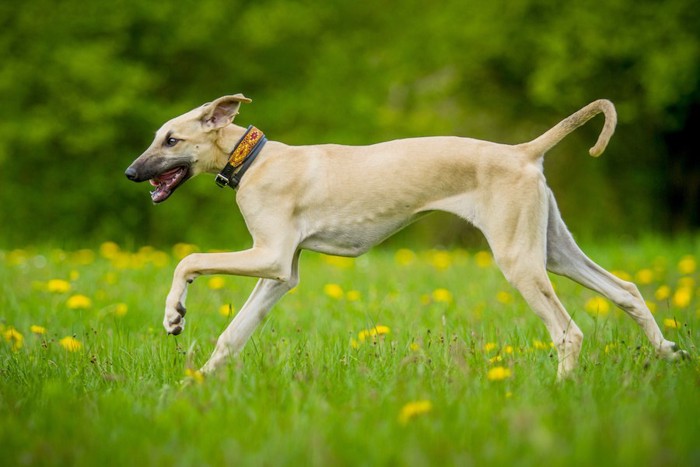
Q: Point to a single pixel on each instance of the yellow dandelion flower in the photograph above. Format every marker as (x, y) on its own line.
(671, 323)
(227, 310)
(14, 337)
(651, 306)
(378, 330)
(121, 309)
(489, 346)
(334, 291)
(440, 259)
(180, 250)
(79, 302)
(597, 306)
(354, 344)
(442, 296)
(159, 259)
(109, 250)
(37, 329)
(687, 264)
(504, 297)
(539, 345)
(58, 286)
(498, 373)
(404, 257)
(495, 359)
(662, 293)
(415, 346)
(413, 409)
(483, 259)
(625, 276)
(508, 349)
(71, 344)
(353, 295)
(682, 297)
(216, 283)
(645, 276)
(195, 375)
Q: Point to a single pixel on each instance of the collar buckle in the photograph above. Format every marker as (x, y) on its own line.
(221, 181)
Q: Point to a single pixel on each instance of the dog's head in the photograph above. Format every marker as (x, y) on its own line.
(184, 147)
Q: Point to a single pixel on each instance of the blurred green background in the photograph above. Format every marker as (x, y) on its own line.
(84, 85)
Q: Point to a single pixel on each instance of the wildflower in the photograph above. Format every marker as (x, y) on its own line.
(353, 295)
(340, 262)
(121, 309)
(483, 259)
(196, 375)
(645, 276)
(404, 257)
(687, 264)
(415, 346)
(651, 306)
(498, 373)
(71, 344)
(78, 302)
(609, 347)
(625, 276)
(508, 349)
(216, 283)
(58, 286)
(440, 259)
(671, 323)
(539, 345)
(442, 296)
(378, 330)
(334, 291)
(597, 306)
(14, 338)
(37, 329)
(682, 297)
(504, 297)
(414, 409)
(495, 359)
(109, 250)
(226, 310)
(489, 346)
(180, 250)
(354, 344)
(662, 293)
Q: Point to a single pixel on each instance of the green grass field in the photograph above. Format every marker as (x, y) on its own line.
(399, 357)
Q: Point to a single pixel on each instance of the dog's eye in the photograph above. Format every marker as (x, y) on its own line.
(170, 142)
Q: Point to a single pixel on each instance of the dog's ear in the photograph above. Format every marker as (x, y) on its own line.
(220, 113)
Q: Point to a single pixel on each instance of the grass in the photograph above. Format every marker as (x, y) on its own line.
(396, 358)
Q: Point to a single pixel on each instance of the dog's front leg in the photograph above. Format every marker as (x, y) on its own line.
(257, 262)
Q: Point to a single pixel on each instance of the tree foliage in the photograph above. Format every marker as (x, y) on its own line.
(84, 86)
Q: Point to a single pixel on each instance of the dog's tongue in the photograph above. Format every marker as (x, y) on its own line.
(164, 184)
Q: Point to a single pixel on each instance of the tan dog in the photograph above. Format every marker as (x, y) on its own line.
(342, 200)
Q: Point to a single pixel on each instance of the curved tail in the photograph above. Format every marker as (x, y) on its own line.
(548, 140)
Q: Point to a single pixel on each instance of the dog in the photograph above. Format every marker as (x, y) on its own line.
(342, 200)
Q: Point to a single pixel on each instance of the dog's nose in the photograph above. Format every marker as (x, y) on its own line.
(131, 174)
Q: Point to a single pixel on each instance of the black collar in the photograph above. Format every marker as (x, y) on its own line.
(242, 156)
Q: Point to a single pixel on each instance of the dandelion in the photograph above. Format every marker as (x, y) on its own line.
(58, 286)
(353, 295)
(415, 347)
(687, 264)
(334, 291)
(37, 329)
(651, 306)
(109, 250)
(121, 309)
(498, 373)
(597, 306)
(539, 345)
(495, 359)
(671, 323)
(404, 257)
(180, 250)
(645, 276)
(442, 296)
(195, 375)
(508, 349)
(483, 259)
(14, 337)
(440, 259)
(79, 302)
(340, 262)
(216, 283)
(378, 330)
(414, 409)
(226, 310)
(354, 344)
(489, 346)
(625, 276)
(504, 297)
(662, 293)
(682, 297)
(71, 344)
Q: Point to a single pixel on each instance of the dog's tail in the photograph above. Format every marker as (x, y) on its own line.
(548, 140)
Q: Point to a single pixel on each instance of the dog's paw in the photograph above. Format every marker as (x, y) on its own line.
(174, 321)
(672, 353)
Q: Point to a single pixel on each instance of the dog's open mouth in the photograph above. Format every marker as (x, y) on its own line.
(166, 183)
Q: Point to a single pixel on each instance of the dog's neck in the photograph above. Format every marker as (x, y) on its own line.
(226, 140)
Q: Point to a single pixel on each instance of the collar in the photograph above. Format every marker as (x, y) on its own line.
(242, 156)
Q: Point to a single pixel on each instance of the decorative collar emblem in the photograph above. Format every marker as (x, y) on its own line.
(242, 156)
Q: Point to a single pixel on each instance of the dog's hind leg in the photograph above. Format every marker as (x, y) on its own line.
(565, 258)
(266, 293)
